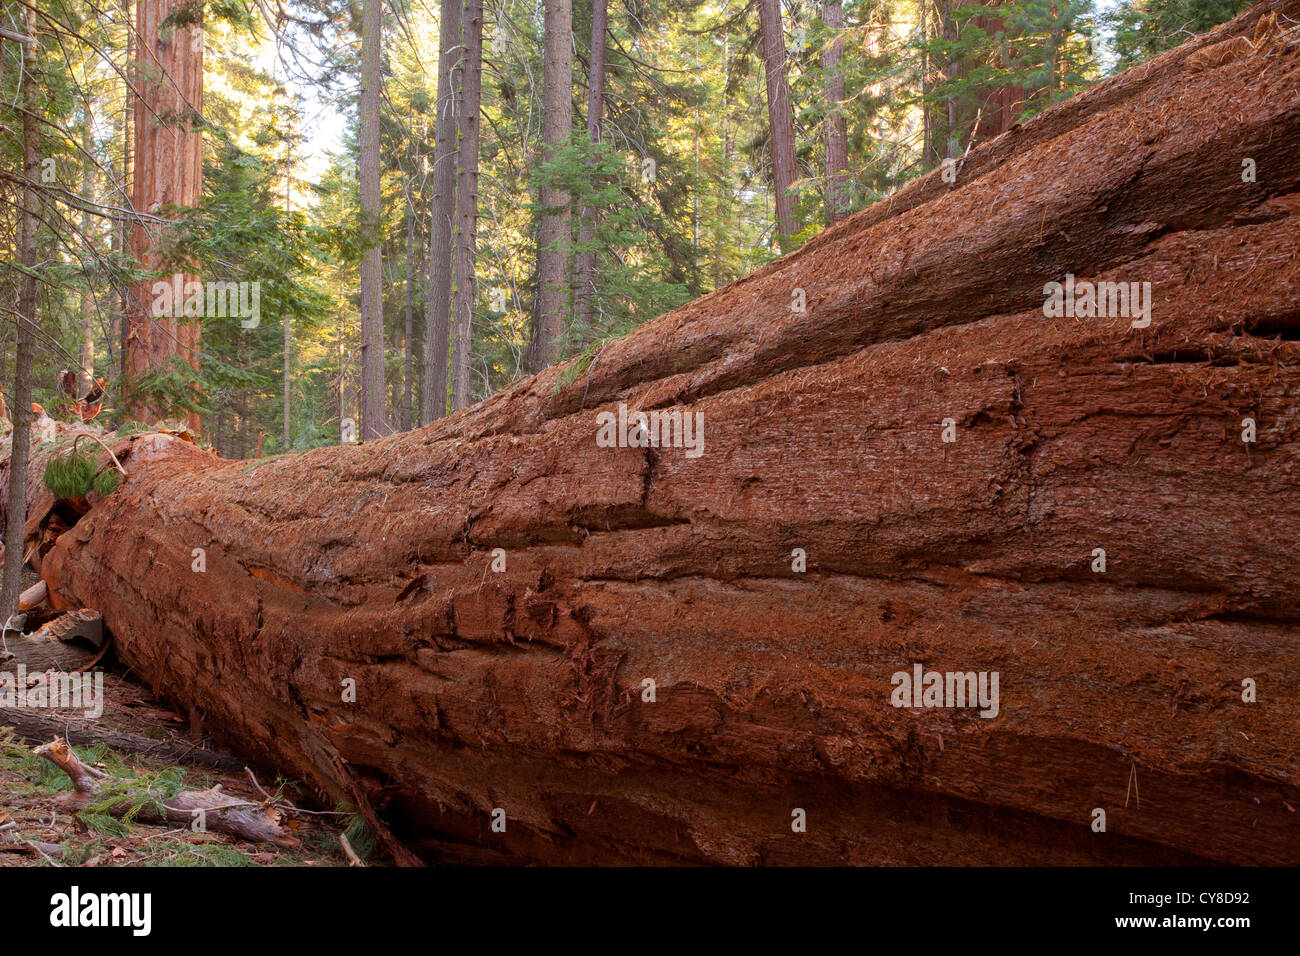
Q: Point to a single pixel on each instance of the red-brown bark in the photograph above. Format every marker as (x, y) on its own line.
(168, 175)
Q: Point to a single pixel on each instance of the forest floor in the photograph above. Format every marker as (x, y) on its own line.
(35, 830)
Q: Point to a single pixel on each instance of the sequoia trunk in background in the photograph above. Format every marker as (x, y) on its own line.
(779, 115)
(471, 73)
(999, 106)
(668, 654)
(168, 172)
(287, 330)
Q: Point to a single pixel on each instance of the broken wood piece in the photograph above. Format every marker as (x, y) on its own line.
(10, 843)
(199, 810)
(33, 596)
(351, 854)
(46, 650)
(83, 624)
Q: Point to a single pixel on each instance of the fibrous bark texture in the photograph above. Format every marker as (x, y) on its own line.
(516, 680)
(168, 175)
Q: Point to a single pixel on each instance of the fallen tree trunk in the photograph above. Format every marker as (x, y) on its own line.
(463, 619)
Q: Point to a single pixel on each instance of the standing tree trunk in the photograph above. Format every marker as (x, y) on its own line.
(585, 291)
(168, 172)
(1052, 43)
(373, 424)
(408, 327)
(999, 107)
(116, 243)
(780, 116)
(467, 198)
(86, 353)
(16, 515)
(288, 322)
(122, 231)
(553, 228)
(837, 144)
(437, 307)
(982, 111)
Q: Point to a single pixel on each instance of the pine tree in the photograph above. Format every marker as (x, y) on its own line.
(553, 238)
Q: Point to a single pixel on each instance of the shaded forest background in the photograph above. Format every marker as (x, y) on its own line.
(683, 144)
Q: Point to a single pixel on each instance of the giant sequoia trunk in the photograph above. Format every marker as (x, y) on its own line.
(168, 175)
(516, 679)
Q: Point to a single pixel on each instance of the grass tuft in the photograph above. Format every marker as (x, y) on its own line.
(106, 482)
(359, 835)
(579, 366)
(73, 476)
(70, 475)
